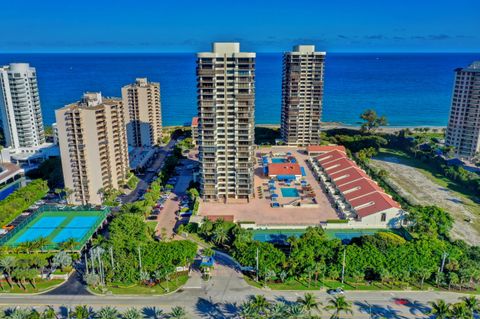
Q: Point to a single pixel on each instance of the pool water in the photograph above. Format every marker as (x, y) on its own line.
(280, 236)
(289, 192)
(278, 160)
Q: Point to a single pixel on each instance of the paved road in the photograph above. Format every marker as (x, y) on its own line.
(167, 219)
(146, 179)
(221, 296)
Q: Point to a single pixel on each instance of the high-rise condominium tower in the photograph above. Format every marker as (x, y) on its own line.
(20, 106)
(463, 132)
(143, 112)
(302, 95)
(93, 147)
(226, 104)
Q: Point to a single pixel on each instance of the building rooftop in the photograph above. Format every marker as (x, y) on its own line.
(325, 148)
(358, 188)
(284, 169)
(195, 121)
(373, 203)
(330, 157)
(475, 66)
(337, 165)
(348, 175)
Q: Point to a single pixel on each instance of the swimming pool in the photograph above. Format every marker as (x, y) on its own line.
(278, 160)
(289, 192)
(280, 236)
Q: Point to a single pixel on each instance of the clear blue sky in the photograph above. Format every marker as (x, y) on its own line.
(262, 25)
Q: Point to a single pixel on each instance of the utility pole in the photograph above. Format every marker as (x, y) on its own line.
(111, 256)
(343, 264)
(257, 264)
(445, 255)
(139, 259)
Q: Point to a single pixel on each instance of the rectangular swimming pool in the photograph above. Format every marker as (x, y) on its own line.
(280, 236)
(289, 192)
(278, 160)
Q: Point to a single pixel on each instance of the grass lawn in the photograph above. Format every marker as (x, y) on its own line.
(159, 289)
(41, 285)
(197, 239)
(294, 284)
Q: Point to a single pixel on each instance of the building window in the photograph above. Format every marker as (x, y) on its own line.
(384, 217)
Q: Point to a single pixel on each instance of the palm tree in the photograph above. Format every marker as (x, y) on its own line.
(19, 313)
(68, 245)
(338, 304)
(471, 303)
(247, 311)
(107, 313)
(440, 309)
(49, 313)
(460, 311)
(309, 302)
(295, 311)
(40, 243)
(259, 303)
(34, 314)
(278, 310)
(82, 312)
(220, 235)
(132, 313)
(178, 313)
(7, 264)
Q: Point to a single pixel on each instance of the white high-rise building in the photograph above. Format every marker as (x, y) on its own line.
(20, 109)
(463, 131)
(226, 106)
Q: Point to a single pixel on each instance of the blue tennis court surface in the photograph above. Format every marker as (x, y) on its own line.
(41, 229)
(76, 229)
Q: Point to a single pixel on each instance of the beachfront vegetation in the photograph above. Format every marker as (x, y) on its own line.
(383, 258)
(266, 135)
(86, 312)
(372, 121)
(21, 199)
(130, 256)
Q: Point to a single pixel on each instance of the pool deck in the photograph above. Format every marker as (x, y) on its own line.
(258, 210)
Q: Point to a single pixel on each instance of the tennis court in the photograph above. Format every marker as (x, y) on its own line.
(58, 226)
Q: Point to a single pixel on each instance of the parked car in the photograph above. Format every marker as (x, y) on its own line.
(8, 227)
(334, 292)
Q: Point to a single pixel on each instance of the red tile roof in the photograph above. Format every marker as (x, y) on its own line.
(195, 121)
(325, 148)
(348, 175)
(338, 165)
(373, 203)
(330, 156)
(275, 169)
(359, 187)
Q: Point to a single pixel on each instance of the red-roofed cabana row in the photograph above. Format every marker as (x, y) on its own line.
(368, 200)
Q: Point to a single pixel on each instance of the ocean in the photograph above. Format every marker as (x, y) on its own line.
(410, 89)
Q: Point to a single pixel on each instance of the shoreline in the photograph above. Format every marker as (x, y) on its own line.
(338, 125)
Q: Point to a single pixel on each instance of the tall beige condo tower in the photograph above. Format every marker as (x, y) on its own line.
(302, 95)
(463, 131)
(93, 146)
(143, 113)
(20, 110)
(226, 105)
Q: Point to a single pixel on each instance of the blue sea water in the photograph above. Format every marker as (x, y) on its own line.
(410, 89)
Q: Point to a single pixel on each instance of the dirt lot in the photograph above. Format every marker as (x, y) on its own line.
(422, 187)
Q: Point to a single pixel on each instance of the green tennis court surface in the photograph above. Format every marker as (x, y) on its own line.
(58, 226)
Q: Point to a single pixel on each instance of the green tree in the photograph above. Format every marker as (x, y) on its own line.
(7, 264)
(440, 309)
(259, 303)
(471, 303)
(107, 313)
(82, 312)
(178, 313)
(309, 302)
(132, 313)
(338, 305)
(372, 121)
